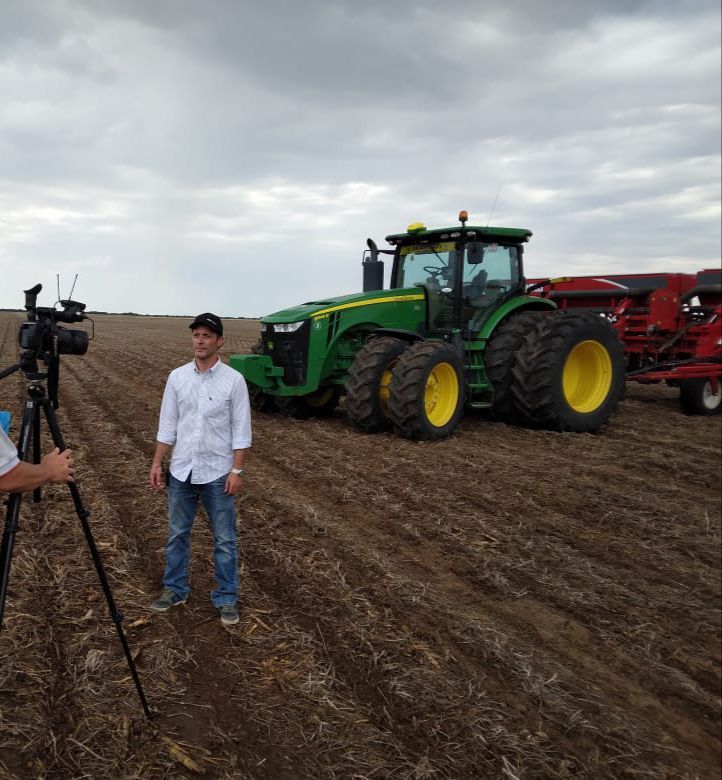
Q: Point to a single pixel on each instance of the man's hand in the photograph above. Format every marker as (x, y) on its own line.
(234, 484)
(156, 477)
(58, 466)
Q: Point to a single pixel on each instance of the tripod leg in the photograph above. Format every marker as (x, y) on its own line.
(36, 447)
(30, 423)
(83, 514)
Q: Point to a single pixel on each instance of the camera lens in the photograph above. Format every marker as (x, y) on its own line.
(28, 336)
(72, 342)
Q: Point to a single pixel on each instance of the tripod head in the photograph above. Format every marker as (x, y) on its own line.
(42, 338)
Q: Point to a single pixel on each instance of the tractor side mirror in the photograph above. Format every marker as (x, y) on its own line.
(475, 253)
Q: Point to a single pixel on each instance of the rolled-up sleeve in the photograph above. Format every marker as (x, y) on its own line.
(240, 416)
(168, 423)
(8, 455)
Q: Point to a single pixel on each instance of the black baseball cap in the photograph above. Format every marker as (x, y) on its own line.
(210, 321)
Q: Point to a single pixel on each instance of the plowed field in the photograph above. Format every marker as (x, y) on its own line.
(507, 603)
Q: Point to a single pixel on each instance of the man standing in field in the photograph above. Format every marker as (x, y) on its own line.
(205, 418)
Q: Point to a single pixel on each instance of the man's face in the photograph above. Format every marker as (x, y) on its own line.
(205, 343)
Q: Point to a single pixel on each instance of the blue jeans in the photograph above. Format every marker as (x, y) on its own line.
(182, 505)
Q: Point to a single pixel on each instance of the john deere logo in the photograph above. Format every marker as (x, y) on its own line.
(317, 325)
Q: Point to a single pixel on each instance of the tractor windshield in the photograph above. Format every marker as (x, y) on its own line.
(433, 267)
(464, 281)
(426, 264)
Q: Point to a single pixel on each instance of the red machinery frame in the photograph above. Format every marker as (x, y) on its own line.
(670, 324)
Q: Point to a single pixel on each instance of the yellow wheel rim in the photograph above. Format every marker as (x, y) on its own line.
(319, 398)
(587, 376)
(441, 394)
(384, 386)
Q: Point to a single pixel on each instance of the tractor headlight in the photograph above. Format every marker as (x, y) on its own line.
(287, 327)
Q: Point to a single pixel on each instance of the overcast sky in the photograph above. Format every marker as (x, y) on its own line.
(184, 156)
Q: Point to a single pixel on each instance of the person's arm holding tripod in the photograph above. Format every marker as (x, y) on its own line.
(16, 476)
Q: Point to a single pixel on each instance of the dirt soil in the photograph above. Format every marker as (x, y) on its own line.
(507, 603)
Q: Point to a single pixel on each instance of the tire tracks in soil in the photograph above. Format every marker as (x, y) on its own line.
(583, 548)
(310, 443)
(615, 673)
(117, 418)
(586, 545)
(133, 447)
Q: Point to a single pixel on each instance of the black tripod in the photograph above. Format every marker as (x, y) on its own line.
(37, 400)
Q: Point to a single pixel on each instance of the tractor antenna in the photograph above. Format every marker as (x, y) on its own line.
(57, 276)
(70, 297)
(493, 205)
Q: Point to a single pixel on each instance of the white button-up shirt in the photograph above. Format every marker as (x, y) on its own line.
(205, 416)
(8, 454)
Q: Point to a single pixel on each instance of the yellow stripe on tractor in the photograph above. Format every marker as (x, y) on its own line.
(367, 302)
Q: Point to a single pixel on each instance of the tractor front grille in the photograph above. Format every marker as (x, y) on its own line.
(289, 351)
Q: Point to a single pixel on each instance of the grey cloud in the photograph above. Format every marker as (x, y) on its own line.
(162, 136)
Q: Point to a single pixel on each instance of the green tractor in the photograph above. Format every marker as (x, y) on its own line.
(457, 329)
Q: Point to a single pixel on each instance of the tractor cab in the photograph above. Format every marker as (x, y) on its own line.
(465, 273)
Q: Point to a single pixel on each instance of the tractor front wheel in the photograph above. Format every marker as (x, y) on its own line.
(427, 391)
(260, 401)
(569, 374)
(322, 403)
(367, 387)
(696, 396)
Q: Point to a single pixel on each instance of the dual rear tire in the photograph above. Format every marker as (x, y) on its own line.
(559, 371)
(569, 373)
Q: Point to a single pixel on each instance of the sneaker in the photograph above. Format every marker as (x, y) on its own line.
(168, 599)
(229, 614)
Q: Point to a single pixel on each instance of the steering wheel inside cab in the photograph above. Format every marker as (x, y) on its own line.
(435, 271)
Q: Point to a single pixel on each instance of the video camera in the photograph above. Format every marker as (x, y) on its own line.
(43, 337)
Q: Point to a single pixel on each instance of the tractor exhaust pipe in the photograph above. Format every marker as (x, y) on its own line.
(373, 268)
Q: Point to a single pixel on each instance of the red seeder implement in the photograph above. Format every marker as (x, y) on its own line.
(670, 326)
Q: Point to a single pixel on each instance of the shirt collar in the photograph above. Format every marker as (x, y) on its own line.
(210, 370)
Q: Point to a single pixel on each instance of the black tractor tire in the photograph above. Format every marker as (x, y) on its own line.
(428, 391)
(260, 401)
(367, 385)
(322, 403)
(499, 359)
(570, 373)
(696, 396)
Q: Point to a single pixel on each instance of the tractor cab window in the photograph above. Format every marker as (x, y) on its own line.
(489, 272)
(432, 267)
(429, 265)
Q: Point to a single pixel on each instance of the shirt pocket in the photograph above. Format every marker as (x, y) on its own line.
(219, 409)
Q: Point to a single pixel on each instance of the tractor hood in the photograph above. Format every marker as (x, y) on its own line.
(324, 307)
